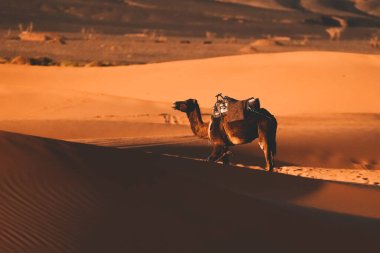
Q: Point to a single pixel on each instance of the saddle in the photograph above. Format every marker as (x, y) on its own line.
(231, 109)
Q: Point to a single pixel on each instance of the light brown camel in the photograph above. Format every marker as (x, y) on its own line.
(222, 135)
(336, 32)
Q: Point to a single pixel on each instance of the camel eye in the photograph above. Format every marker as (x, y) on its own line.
(183, 107)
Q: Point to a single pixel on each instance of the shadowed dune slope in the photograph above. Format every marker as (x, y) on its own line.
(65, 197)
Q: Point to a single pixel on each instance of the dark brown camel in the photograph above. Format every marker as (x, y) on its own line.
(222, 135)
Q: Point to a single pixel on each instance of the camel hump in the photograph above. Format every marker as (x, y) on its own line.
(230, 99)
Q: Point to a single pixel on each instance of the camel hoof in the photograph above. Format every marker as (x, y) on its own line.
(226, 161)
(209, 159)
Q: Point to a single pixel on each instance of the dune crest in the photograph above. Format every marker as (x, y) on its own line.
(372, 7)
(268, 4)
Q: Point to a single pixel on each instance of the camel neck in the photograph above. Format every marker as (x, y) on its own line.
(198, 127)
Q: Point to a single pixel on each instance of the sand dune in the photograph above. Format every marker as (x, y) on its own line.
(191, 18)
(61, 196)
(322, 82)
(77, 103)
(89, 129)
(340, 8)
(31, 101)
(271, 4)
(66, 197)
(346, 8)
(371, 7)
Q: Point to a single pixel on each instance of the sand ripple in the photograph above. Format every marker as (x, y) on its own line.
(43, 212)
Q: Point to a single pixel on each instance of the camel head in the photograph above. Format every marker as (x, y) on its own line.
(185, 106)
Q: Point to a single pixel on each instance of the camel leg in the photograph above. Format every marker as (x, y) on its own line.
(215, 153)
(226, 156)
(268, 155)
(263, 142)
(218, 152)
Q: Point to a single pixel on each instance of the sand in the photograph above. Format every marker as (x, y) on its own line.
(66, 197)
(143, 196)
(271, 5)
(326, 102)
(322, 82)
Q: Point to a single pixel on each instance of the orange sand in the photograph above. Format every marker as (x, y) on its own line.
(59, 196)
(287, 83)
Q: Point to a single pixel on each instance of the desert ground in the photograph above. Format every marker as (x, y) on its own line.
(125, 32)
(95, 159)
(140, 176)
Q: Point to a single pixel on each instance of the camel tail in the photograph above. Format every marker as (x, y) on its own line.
(273, 143)
(272, 131)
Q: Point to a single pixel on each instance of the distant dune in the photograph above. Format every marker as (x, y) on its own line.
(34, 101)
(326, 102)
(65, 197)
(341, 8)
(241, 18)
(370, 6)
(286, 83)
(336, 7)
(270, 4)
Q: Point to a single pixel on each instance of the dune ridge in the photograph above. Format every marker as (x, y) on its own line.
(347, 8)
(342, 8)
(371, 7)
(271, 4)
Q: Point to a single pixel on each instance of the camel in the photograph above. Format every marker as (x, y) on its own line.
(336, 32)
(222, 135)
(374, 42)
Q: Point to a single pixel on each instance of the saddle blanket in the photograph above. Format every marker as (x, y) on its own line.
(235, 110)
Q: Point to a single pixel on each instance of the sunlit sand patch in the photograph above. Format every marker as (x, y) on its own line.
(169, 155)
(369, 177)
(185, 157)
(356, 176)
